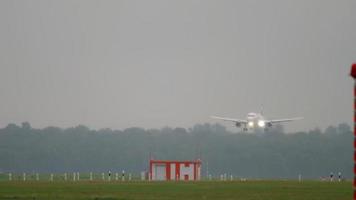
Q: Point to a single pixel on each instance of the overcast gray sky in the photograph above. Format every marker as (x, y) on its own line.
(118, 64)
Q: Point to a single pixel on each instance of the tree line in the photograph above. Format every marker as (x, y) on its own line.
(271, 154)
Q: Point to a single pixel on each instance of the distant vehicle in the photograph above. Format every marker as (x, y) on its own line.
(255, 120)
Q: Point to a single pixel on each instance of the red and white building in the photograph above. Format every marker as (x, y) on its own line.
(165, 170)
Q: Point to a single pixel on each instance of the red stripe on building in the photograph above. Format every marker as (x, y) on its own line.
(177, 171)
(168, 171)
(150, 175)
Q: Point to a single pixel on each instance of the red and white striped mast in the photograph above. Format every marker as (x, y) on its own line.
(353, 74)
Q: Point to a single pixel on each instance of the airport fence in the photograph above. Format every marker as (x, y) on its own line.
(73, 176)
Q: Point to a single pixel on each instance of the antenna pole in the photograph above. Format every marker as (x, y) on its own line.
(353, 74)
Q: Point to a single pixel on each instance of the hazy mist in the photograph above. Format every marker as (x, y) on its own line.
(151, 64)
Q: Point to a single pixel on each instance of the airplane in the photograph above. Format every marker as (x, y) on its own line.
(255, 120)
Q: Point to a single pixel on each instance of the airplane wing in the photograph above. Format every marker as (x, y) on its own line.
(230, 119)
(283, 120)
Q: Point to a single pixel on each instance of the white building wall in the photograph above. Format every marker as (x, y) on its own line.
(198, 172)
(173, 171)
(187, 171)
(159, 172)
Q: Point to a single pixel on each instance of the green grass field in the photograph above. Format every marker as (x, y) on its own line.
(249, 190)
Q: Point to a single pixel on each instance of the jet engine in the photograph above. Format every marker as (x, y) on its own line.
(238, 124)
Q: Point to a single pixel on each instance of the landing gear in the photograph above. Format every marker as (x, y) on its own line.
(245, 129)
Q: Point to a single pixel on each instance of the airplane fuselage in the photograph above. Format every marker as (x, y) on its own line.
(255, 120)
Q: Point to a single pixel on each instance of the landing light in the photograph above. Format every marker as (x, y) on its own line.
(250, 124)
(261, 123)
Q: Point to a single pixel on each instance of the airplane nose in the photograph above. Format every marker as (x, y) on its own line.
(261, 123)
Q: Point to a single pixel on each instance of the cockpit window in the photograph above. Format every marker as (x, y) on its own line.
(251, 114)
